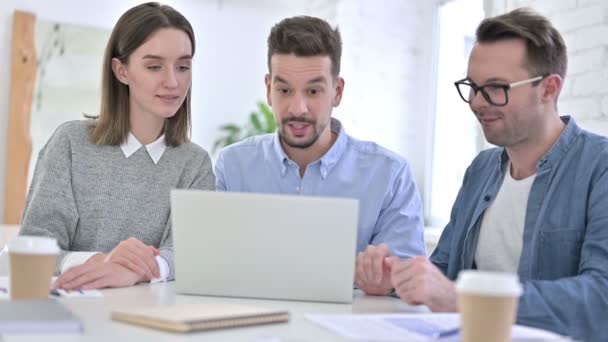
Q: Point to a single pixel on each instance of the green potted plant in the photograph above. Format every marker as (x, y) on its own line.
(260, 122)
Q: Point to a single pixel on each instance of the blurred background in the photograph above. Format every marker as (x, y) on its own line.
(400, 59)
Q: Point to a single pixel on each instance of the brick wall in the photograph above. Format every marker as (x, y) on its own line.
(584, 26)
(387, 63)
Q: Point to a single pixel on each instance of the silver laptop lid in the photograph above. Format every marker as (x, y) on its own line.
(264, 246)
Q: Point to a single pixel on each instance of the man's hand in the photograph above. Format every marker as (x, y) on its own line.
(417, 281)
(96, 275)
(372, 272)
(137, 257)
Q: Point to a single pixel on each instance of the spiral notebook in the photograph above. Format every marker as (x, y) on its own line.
(199, 317)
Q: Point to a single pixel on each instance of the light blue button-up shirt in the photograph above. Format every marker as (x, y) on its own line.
(390, 209)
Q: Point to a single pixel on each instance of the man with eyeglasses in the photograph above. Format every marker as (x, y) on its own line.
(536, 205)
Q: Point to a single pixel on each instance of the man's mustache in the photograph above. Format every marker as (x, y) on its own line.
(298, 119)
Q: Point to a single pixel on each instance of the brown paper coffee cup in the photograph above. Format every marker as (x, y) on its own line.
(488, 305)
(31, 264)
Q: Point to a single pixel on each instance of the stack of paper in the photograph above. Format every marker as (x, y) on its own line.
(4, 292)
(411, 327)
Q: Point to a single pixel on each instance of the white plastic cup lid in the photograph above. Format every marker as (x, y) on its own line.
(489, 283)
(33, 245)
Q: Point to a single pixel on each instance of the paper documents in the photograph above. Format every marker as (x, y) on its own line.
(412, 327)
(4, 291)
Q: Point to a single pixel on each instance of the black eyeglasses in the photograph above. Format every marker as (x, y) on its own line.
(496, 94)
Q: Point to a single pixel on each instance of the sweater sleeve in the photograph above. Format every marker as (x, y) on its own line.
(50, 209)
(203, 180)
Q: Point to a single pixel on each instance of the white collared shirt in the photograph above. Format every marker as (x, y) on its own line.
(155, 151)
(155, 148)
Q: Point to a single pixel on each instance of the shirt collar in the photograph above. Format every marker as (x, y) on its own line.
(328, 161)
(155, 149)
(559, 148)
(563, 143)
(280, 153)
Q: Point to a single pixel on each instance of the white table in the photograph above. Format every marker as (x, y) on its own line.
(95, 315)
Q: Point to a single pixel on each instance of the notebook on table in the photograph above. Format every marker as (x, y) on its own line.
(199, 317)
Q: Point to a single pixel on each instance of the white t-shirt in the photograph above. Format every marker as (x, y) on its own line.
(502, 226)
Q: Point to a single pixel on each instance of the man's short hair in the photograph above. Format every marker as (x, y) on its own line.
(306, 36)
(545, 48)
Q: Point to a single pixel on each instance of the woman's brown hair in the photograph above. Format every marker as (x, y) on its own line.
(133, 28)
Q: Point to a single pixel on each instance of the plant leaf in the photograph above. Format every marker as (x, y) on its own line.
(268, 117)
(232, 128)
(218, 144)
(259, 123)
(255, 123)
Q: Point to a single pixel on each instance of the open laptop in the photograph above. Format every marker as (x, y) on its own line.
(264, 246)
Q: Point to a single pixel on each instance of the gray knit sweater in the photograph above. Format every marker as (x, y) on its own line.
(91, 197)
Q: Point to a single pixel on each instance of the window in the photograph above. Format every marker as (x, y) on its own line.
(457, 137)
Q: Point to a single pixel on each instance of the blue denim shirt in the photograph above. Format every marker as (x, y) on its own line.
(390, 209)
(564, 259)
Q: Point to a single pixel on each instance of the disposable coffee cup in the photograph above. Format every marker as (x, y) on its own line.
(488, 305)
(31, 265)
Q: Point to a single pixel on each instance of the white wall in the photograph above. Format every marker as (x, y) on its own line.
(229, 65)
(584, 26)
(69, 11)
(387, 63)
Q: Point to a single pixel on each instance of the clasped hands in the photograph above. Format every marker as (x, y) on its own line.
(129, 263)
(416, 281)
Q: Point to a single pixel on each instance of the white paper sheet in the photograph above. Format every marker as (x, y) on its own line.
(411, 327)
(4, 288)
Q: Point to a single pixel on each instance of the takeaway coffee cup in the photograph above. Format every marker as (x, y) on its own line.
(31, 265)
(488, 305)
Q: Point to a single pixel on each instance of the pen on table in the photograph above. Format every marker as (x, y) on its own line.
(57, 292)
(448, 333)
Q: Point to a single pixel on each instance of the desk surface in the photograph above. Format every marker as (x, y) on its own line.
(95, 315)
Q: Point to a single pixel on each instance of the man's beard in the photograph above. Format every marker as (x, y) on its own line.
(298, 144)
